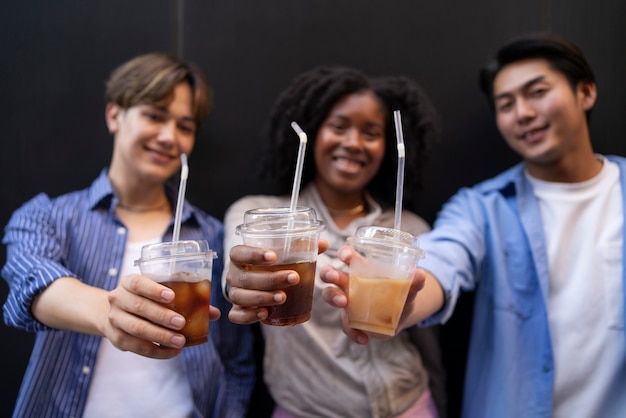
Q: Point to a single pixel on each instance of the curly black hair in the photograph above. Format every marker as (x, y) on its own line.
(308, 101)
(420, 129)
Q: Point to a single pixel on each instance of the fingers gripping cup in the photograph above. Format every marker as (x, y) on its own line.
(381, 272)
(293, 236)
(185, 267)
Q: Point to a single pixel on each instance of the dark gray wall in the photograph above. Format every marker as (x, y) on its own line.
(56, 56)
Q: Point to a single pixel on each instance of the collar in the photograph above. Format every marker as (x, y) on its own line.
(102, 195)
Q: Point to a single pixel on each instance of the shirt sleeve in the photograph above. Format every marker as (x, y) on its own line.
(34, 252)
(454, 249)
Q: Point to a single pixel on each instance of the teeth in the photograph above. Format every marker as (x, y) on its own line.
(530, 133)
(349, 160)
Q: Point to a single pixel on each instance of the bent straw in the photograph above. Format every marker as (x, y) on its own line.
(400, 181)
(295, 191)
(184, 173)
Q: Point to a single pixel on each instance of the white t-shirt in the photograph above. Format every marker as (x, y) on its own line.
(583, 223)
(126, 384)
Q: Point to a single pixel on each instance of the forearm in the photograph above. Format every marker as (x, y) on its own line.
(70, 304)
(428, 301)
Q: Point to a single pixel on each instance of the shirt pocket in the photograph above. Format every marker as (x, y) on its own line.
(613, 284)
(515, 284)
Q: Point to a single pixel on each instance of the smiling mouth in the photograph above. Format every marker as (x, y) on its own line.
(349, 161)
(528, 135)
(160, 154)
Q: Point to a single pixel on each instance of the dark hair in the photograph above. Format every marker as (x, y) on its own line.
(151, 79)
(420, 129)
(308, 101)
(561, 54)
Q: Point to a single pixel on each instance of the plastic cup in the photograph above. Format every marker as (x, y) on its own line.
(293, 235)
(185, 267)
(381, 272)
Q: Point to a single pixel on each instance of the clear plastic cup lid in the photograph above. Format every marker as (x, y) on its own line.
(189, 249)
(280, 220)
(383, 236)
(301, 213)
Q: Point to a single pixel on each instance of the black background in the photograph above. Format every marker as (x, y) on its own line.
(57, 55)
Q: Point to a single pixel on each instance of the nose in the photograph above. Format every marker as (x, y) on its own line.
(352, 140)
(167, 132)
(524, 110)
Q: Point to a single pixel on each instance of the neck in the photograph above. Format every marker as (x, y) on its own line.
(341, 203)
(347, 212)
(569, 169)
(135, 197)
(143, 209)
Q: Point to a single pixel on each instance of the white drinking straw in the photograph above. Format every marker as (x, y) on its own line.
(295, 191)
(184, 173)
(400, 181)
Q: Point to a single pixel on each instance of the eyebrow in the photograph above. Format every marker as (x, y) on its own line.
(524, 86)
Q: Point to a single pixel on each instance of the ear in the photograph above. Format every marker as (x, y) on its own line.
(589, 93)
(111, 115)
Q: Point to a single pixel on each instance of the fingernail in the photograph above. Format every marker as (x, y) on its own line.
(178, 321)
(343, 252)
(178, 340)
(292, 278)
(261, 315)
(337, 300)
(361, 340)
(269, 256)
(278, 297)
(167, 295)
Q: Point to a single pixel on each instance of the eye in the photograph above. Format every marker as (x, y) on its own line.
(187, 128)
(538, 92)
(373, 134)
(338, 128)
(504, 106)
(154, 116)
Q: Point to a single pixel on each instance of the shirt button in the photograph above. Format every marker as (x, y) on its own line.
(86, 370)
(112, 271)
(121, 230)
(546, 368)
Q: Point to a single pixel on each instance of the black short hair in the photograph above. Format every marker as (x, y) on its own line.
(308, 100)
(562, 55)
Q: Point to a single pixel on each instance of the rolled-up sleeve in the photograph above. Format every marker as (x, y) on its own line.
(33, 261)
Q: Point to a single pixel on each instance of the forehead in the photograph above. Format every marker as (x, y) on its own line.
(179, 102)
(519, 74)
(362, 102)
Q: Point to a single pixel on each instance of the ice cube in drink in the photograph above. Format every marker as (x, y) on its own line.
(192, 300)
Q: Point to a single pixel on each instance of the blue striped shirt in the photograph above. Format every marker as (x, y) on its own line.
(79, 235)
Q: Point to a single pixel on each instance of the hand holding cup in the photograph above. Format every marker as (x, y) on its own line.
(140, 321)
(337, 296)
(291, 236)
(186, 268)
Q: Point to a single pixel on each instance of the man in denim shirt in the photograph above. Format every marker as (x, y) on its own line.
(541, 244)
